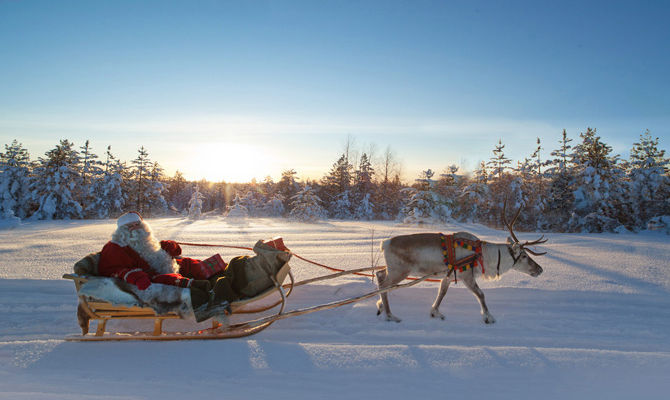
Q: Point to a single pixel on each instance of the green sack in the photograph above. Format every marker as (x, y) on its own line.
(254, 275)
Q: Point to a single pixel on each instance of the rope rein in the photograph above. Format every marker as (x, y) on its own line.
(461, 265)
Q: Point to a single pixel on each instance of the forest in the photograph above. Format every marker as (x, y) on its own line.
(581, 186)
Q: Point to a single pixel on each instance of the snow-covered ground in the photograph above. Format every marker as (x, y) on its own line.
(596, 324)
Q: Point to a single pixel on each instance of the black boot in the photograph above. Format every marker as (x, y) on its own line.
(223, 291)
(212, 310)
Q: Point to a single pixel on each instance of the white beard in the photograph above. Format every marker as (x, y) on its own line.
(148, 247)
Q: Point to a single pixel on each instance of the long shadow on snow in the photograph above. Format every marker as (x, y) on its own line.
(649, 288)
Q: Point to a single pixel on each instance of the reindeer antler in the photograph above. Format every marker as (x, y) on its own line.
(510, 227)
(533, 243)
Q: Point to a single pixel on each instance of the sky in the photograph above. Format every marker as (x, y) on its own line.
(239, 89)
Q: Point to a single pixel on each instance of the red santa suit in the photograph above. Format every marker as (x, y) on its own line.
(125, 263)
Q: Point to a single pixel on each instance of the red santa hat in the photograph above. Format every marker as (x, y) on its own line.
(128, 218)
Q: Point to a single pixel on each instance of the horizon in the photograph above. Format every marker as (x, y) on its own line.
(241, 90)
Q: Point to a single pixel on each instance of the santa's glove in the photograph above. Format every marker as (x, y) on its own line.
(171, 247)
(139, 279)
(172, 279)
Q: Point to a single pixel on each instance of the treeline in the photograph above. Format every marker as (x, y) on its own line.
(577, 188)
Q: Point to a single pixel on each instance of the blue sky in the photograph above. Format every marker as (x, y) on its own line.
(234, 88)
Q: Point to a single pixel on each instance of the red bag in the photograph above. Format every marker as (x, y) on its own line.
(206, 268)
(277, 243)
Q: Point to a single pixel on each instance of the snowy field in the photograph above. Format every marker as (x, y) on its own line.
(596, 324)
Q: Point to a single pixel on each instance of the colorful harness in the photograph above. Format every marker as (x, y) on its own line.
(449, 244)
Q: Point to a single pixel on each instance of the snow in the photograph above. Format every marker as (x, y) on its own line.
(596, 324)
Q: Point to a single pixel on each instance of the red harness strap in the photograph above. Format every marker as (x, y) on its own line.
(449, 253)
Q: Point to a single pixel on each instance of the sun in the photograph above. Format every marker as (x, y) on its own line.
(230, 162)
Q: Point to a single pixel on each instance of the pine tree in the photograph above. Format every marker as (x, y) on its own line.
(498, 182)
(306, 206)
(15, 168)
(157, 204)
(91, 172)
(531, 186)
(363, 189)
(107, 193)
(274, 207)
(56, 180)
(600, 205)
(499, 162)
(140, 171)
(336, 187)
(649, 181)
(341, 206)
(423, 204)
(288, 186)
(237, 210)
(387, 198)
(254, 201)
(178, 193)
(147, 189)
(365, 209)
(195, 204)
(561, 179)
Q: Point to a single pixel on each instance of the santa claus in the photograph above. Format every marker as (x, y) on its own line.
(137, 257)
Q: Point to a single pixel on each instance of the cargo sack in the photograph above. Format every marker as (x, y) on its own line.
(253, 275)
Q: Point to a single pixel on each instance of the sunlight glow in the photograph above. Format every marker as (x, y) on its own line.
(230, 162)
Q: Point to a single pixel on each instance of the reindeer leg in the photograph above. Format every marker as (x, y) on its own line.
(470, 283)
(384, 282)
(444, 286)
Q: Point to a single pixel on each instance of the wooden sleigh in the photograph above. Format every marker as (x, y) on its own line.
(102, 311)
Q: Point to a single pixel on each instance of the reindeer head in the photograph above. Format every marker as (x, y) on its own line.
(518, 251)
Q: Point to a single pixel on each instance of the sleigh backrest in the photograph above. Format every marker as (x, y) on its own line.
(87, 265)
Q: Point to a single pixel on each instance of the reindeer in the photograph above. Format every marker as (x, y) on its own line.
(422, 254)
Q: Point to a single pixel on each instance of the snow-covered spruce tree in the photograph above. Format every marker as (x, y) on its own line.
(532, 191)
(472, 202)
(387, 196)
(336, 188)
(288, 186)
(499, 182)
(91, 173)
(649, 181)
(498, 163)
(195, 204)
(448, 188)
(560, 197)
(107, 197)
(254, 202)
(365, 209)
(146, 196)
(424, 205)
(56, 179)
(306, 206)
(274, 207)
(179, 192)
(341, 206)
(156, 188)
(237, 210)
(363, 190)
(140, 170)
(599, 187)
(15, 168)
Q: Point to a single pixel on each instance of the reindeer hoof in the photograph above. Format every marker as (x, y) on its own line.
(379, 312)
(488, 319)
(436, 314)
(393, 318)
